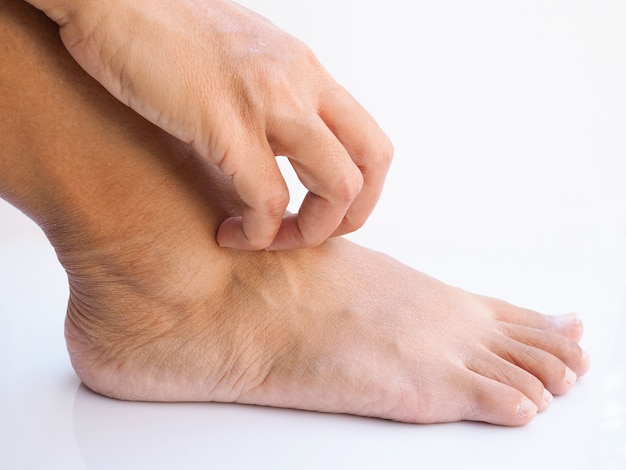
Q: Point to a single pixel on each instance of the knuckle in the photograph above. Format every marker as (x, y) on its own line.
(275, 202)
(226, 158)
(303, 52)
(382, 153)
(312, 236)
(347, 187)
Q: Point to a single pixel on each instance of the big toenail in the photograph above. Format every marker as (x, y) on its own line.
(526, 409)
(570, 376)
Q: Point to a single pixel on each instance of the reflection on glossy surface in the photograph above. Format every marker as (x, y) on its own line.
(611, 437)
(113, 434)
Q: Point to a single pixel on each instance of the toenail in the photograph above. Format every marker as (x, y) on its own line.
(586, 358)
(567, 319)
(570, 376)
(526, 409)
(547, 396)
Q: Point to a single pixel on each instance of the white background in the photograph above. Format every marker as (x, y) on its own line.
(508, 120)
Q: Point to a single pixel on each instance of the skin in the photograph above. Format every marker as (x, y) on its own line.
(159, 311)
(240, 91)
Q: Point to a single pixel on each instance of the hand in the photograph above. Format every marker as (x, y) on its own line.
(241, 91)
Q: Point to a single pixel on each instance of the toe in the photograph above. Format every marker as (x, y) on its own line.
(555, 376)
(497, 403)
(540, 351)
(568, 325)
(503, 371)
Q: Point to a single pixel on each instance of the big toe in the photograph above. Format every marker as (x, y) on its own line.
(497, 403)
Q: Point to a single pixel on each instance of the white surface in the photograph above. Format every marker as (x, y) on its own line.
(508, 120)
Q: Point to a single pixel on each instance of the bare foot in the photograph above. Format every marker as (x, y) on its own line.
(158, 312)
(337, 329)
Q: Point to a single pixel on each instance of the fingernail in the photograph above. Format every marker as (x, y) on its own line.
(526, 409)
(570, 377)
(547, 396)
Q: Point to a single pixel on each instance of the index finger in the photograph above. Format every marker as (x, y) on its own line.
(260, 185)
(334, 181)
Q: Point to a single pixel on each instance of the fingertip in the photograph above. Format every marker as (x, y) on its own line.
(231, 234)
(290, 237)
(226, 233)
